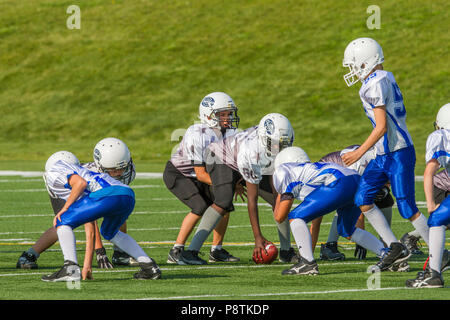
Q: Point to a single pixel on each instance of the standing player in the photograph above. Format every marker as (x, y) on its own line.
(90, 196)
(110, 155)
(437, 156)
(186, 177)
(248, 154)
(322, 188)
(395, 161)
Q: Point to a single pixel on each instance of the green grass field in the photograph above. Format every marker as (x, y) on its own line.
(137, 70)
(26, 213)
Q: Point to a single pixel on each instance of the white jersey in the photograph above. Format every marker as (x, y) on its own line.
(438, 147)
(57, 183)
(127, 177)
(381, 89)
(362, 162)
(302, 179)
(191, 150)
(242, 152)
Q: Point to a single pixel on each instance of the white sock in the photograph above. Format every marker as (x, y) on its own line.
(302, 238)
(67, 242)
(333, 235)
(130, 246)
(367, 240)
(218, 247)
(437, 243)
(177, 245)
(414, 233)
(421, 225)
(381, 226)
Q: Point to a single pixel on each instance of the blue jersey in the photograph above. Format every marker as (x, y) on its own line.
(381, 89)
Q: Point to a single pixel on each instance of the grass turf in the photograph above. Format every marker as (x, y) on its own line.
(26, 213)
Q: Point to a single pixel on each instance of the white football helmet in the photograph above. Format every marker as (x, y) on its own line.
(361, 56)
(66, 156)
(291, 154)
(443, 117)
(214, 103)
(275, 133)
(113, 153)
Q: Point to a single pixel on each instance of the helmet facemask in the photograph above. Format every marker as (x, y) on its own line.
(273, 145)
(218, 122)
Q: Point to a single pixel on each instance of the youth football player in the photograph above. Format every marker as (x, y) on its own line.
(90, 196)
(437, 156)
(383, 201)
(395, 161)
(249, 155)
(110, 154)
(185, 173)
(321, 188)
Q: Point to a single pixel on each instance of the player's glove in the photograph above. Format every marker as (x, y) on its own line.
(382, 194)
(360, 252)
(102, 259)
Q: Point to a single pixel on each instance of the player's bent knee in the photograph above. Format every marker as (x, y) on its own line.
(406, 207)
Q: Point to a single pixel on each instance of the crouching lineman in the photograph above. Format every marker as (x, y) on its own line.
(110, 155)
(322, 188)
(186, 177)
(437, 156)
(383, 200)
(90, 196)
(249, 155)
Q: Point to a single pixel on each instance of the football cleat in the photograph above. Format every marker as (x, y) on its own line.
(329, 251)
(400, 267)
(70, 271)
(149, 271)
(27, 261)
(411, 243)
(304, 267)
(395, 254)
(190, 257)
(426, 279)
(222, 255)
(120, 258)
(289, 256)
(174, 255)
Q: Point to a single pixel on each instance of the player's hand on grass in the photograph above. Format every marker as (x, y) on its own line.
(102, 259)
(86, 274)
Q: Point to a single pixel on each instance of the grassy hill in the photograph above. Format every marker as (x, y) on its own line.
(137, 70)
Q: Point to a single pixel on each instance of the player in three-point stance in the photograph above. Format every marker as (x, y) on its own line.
(249, 155)
(437, 156)
(395, 161)
(185, 173)
(322, 188)
(90, 196)
(110, 155)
